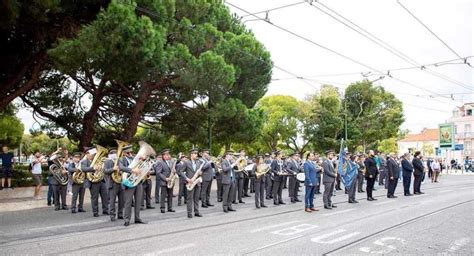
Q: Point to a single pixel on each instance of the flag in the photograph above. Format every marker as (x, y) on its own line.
(346, 169)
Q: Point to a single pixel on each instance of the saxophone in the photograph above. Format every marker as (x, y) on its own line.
(116, 176)
(196, 179)
(78, 176)
(98, 164)
(173, 176)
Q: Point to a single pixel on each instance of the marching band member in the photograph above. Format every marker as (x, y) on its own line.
(115, 190)
(95, 188)
(182, 192)
(259, 184)
(268, 178)
(191, 167)
(277, 170)
(220, 190)
(228, 182)
(163, 170)
(131, 193)
(311, 174)
(59, 190)
(292, 168)
(207, 175)
(147, 185)
(329, 176)
(240, 181)
(77, 189)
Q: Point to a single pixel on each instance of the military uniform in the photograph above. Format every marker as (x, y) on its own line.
(78, 190)
(131, 193)
(96, 189)
(207, 174)
(59, 193)
(190, 168)
(329, 177)
(277, 166)
(115, 192)
(228, 185)
(163, 172)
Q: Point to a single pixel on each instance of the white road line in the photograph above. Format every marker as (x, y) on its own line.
(277, 243)
(338, 212)
(174, 249)
(458, 244)
(69, 225)
(385, 202)
(274, 226)
(321, 239)
(294, 230)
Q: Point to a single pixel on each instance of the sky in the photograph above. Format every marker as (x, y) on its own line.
(426, 96)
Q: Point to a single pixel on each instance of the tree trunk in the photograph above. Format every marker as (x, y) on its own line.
(136, 114)
(89, 120)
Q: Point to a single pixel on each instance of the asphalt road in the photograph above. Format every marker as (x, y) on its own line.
(440, 222)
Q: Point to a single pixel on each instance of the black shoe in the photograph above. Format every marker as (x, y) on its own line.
(241, 202)
(142, 208)
(65, 208)
(105, 213)
(140, 222)
(297, 200)
(150, 207)
(185, 202)
(127, 223)
(190, 216)
(204, 206)
(219, 200)
(334, 206)
(232, 210)
(49, 203)
(421, 193)
(56, 209)
(351, 202)
(276, 203)
(234, 202)
(328, 207)
(282, 202)
(394, 196)
(171, 210)
(210, 205)
(246, 195)
(163, 211)
(179, 203)
(120, 217)
(73, 211)
(81, 210)
(370, 199)
(258, 206)
(226, 211)
(293, 201)
(374, 189)
(96, 215)
(408, 194)
(263, 206)
(318, 193)
(198, 215)
(112, 218)
(355, 201)
(374, 199)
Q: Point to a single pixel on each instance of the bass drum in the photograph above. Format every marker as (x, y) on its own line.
(300, 177)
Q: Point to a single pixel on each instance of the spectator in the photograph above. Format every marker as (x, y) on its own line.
(436, 168)
(8, 161)
(36, 162)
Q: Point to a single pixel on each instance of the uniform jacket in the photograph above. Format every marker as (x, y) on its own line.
(108, 170)
(370, 167)
(162, 171)
(228, 173)
(188, 171)
(418, 167)
(277, 166)
(292, 167)
(393, 169)
(207, 170)
(329, 171)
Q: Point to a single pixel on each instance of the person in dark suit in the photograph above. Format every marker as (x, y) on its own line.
(418, 172)
(407, 170)
(130, 194)
(207, 175)
(361, 173)
(268, 178)
(96, 188)
(311, 174)
(59, 190)
(393, 173)
(277, 171)
(163, 170)
(115, 189)
(78, 190)
(292, 167)
(329, 178)
(182, 191)
(240, 181)
(370, 174)
(259, 183)
(192, 166)
(228, 182)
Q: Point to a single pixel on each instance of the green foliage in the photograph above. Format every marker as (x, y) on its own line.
(11, 128)
(388, 145)
(43, 143)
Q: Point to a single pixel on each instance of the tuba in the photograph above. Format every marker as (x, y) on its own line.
(262, 169)
(116, 176)
(79, 176)
(141, 161)
(196, 179)
(56, 169)
(98, 165)
(241, 164)
(173, 176)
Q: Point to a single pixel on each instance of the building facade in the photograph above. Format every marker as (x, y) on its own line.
(463, 121)
(427, 142)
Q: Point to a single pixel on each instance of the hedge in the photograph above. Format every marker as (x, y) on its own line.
(22, 177)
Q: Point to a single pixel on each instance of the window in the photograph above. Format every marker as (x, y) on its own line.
(467, 146)
(467, 129)
(469, 112)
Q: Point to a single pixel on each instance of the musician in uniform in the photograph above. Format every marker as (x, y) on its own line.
(292, 167)
(329, 176)
(252, 178)
(268, 178)
(192, 167)
(277, 170)
(182, 192)
(96, 188)
(163, 170)
(131, 193)
(228, 182)
(220, 190)
(59, 190)
(207, 175)
(259, 182)
(240, 180)
(147, 185)
(115, 190)
(77, 189)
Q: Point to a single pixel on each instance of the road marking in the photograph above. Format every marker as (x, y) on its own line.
(294, 230)
(385, 202)
(446, 190)
(339, 212)
(69, 225)
(174, 249)
(274, 226)
(273, 244)
(381, 243)
(320, 239)
(458, 244)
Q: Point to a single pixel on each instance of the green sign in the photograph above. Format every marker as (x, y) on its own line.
(446, 135)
